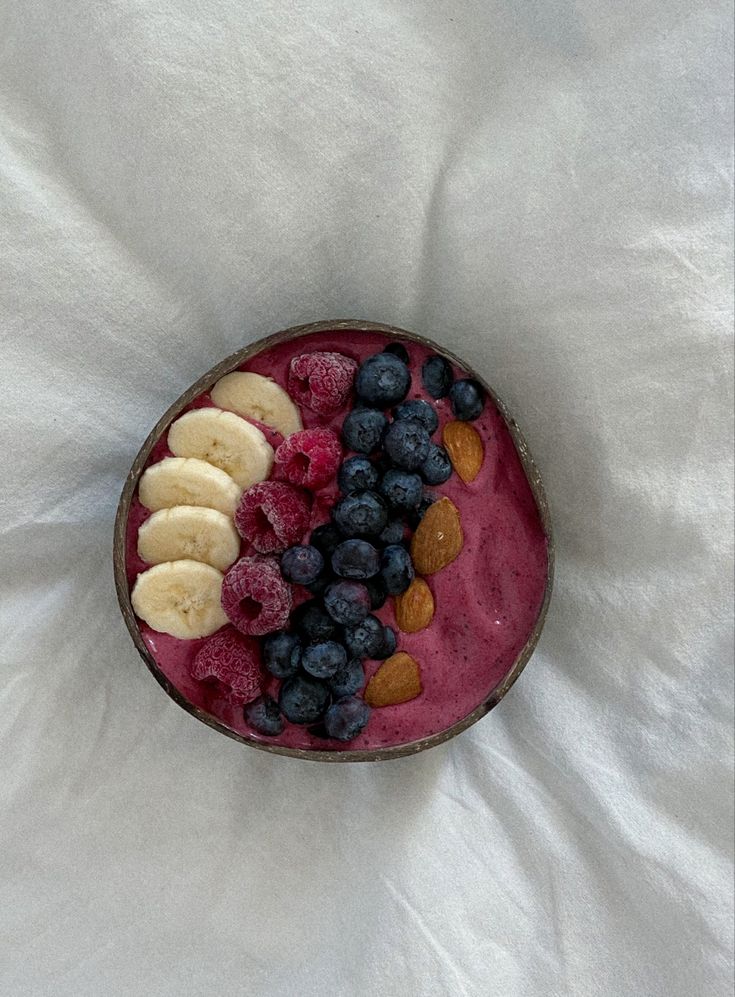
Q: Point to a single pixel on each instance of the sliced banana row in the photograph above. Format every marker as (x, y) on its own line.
(191, 539)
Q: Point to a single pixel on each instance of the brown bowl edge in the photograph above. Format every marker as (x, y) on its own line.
(202, 385)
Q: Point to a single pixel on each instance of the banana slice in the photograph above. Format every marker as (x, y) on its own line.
(181, 598)
(187, 481)
(225, 440)
(189, 532)
(257, 397)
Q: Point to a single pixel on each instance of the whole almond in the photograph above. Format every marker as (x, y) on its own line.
(465, 449)
(396, 681)
(438, 538)
(414, 607)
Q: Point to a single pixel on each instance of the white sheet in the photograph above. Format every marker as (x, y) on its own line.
(545, 187)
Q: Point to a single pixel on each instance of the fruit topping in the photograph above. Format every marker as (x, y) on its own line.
(321, 381)
(302, 565)
(467, 399)
(355, 559)
(273, 515)
(225, 440)
(363, 430)
(421, 411)
(310, 458)
(348, 603)
(382, 380)
(181, 598)
(357, 474)
(255, 597)
(396, 568)
(264, 716)
(407, 444)
(303, 699)
(436, 373)
(233, 663)
(281, 654)
(257, 397)
(346, 718)
(362, 514)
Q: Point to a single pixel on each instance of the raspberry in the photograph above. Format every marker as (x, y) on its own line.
(255, 597)
(321, 381)
(273, 515)
(233, 663)
(310, 457)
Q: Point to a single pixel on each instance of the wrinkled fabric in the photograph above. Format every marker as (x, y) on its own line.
(546, 188)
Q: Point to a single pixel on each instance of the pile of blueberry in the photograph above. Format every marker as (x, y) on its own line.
(352, 564)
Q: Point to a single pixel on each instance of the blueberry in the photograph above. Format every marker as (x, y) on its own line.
(303, 699)
(394, 533)
(421, 411)
(390, 642)
(312, 622)
(396, 569)
(355, 559)
(365, 640)
(436, 373)
(277, 654)
(346, 718)
(348, 679)
(398, 350)
(347, 603)
(377, 591)
(362, 514)
(323, 659)
(401, 490)
(301, 565)
(382, 380)
(264, 716)
(363, 429)
(357, 474)
(467, 399)
(407, 444)
(325, 538)
(437, 468)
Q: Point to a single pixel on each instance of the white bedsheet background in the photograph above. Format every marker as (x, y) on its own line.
(545, 187)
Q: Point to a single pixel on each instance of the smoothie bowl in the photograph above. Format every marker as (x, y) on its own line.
(335, 545)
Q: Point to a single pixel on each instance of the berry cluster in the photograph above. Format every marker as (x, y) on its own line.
(352, 564)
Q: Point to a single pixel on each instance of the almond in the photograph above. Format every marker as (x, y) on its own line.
(438, 538)
(465, 449)
(396, 681)
(414, 607)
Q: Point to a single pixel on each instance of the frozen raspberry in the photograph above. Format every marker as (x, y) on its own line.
(255, 596)
(233, 663)
(310, 458)
(321, 381)
(273, 515)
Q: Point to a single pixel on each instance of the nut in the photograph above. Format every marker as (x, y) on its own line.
(438, 538)
(396, 681)
(414, 607)
(465, 449)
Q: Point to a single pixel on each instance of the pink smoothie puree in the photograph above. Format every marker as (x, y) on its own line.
(487, 600)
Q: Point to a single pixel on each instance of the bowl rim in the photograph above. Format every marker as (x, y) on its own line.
(203, 384)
